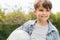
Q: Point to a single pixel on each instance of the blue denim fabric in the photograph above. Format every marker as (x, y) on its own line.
(52, 33)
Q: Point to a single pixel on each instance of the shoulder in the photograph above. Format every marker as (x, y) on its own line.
(26, 25)
(52, 27)
(54, 31)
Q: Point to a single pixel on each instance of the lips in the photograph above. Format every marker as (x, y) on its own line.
(44, 16)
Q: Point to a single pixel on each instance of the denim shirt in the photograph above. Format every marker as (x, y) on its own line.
(52, 33)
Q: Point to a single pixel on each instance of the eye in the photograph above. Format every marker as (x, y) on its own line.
(40, 10)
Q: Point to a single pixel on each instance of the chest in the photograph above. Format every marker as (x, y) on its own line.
(39, 33)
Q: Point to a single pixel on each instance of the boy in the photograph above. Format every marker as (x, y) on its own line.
(41, 28)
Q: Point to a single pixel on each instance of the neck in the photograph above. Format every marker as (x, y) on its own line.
(43, 23)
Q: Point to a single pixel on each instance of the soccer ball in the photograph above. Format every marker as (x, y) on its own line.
(19, 35)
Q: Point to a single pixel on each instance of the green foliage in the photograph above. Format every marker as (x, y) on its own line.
(1, 16)
(30, 16)
(16, 17)
(58, 21)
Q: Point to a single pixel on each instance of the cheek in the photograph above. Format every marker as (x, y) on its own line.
(49, 14)
(39, 14)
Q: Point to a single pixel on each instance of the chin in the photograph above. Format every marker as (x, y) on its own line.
(44, 19)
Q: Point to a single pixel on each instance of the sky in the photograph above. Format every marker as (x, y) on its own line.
(25, 5)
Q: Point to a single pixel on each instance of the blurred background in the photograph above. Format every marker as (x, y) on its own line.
(14, 13)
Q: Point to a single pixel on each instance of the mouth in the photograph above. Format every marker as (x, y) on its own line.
(44, 16)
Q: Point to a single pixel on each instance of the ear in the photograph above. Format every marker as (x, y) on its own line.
(35, 12)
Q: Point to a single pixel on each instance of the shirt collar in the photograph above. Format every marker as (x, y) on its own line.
(51, 27)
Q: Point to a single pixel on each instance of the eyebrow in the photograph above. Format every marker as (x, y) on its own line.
(43, 9)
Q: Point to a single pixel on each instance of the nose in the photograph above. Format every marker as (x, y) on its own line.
(44, 12)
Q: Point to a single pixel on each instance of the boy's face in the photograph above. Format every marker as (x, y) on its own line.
(42, 13)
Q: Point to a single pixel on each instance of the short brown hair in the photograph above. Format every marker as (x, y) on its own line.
(46, 4)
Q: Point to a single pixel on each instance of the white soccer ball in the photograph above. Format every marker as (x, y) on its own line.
(19, 35)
